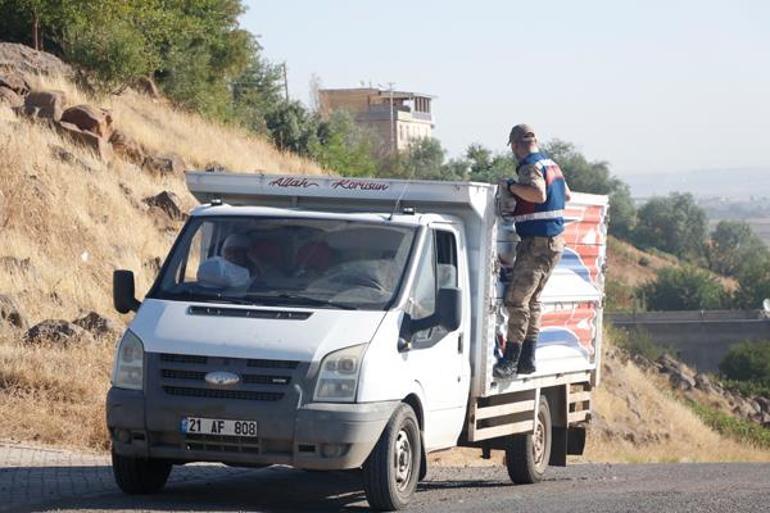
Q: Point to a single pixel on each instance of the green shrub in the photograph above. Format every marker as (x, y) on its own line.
(638, 341)
(747, 388)
(686, 288)
(742, 430)
(748, 361)
(619, 296)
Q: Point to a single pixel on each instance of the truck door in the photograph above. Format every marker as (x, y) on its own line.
(438, 359)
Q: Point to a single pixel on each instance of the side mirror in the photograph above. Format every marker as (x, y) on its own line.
(123, 292)
(449, 307)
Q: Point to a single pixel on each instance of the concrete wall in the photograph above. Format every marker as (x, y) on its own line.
(700, 338)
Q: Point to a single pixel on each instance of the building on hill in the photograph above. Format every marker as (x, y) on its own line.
(396, 118)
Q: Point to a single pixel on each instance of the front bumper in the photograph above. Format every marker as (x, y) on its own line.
(322, 436)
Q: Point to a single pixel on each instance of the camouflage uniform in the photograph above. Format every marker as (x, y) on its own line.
(536, 258)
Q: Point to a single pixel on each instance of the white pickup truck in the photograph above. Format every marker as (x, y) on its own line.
(342, 323)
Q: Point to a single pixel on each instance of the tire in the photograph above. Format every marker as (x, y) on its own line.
(392, 469)
(526, 456)
(136, 476)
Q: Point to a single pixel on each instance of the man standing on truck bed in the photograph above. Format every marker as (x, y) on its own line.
(540, 193)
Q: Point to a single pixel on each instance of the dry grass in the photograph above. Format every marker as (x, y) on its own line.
(42, 402)
(625, 263)
(632, 266)
(162, 128)
(77, 223)
(640, 420)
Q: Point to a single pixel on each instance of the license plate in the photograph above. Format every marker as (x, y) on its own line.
(203, 426)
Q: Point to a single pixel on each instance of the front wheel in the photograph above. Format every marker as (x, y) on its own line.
(137, 476)
(392, 469)
(526, 456)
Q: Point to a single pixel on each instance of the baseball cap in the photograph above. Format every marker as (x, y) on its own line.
(521, 133)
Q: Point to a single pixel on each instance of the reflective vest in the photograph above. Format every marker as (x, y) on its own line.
(542, 219)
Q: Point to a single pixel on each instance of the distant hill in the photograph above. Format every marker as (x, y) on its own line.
(737, 183)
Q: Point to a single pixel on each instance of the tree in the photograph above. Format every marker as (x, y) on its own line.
(594, 177)
(194, 48)
(733, 245)
(114, 51)
(674, 224)
(37, 23)
(753, 282)
(686, 288)
(423, 160)
(256, 92)
(485, 166)
(344, 147)
(292, 127)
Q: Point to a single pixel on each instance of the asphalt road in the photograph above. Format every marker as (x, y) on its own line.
(595, 487)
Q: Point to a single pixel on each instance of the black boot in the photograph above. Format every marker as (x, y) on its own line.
(527, 359)
(506, 366)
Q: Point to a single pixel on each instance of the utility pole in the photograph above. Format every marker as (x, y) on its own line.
(285, 82)
(392, 122)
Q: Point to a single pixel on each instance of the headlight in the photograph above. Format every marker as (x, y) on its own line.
(338, 377)
(129, 363)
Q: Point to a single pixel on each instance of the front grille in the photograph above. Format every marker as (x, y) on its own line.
(183, 358)
(273, 364)
(261, 379)
(214, 393)
(221, 443)
(183, 374)
(250, 379)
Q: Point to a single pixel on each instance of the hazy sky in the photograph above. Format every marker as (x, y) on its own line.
(652, 86)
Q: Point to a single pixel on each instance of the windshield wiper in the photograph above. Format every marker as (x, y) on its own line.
(306, 300)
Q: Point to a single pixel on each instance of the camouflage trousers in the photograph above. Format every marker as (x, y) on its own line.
(536, 258)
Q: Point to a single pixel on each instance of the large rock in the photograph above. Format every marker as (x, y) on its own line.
(11, 98)
(743, 408)
(55, 330)
(96, 324)
(15, 82)
(28, 62)
(168, 203)
(45, 104)
(89, 119)
(100, 145)
(164, 164)
(126, 147)
(10, 314)
(703, 382)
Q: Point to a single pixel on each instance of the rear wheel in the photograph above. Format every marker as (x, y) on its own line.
(526, 456)
(392, 469)
(136, 476)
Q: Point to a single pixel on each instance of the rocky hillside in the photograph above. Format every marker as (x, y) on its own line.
(87, 184)
(91, 183)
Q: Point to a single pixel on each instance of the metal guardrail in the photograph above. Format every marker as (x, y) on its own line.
(687, 316)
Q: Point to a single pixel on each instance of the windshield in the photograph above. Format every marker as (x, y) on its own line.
(296, 262)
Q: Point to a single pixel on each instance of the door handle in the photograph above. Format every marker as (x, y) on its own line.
(460, 343)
